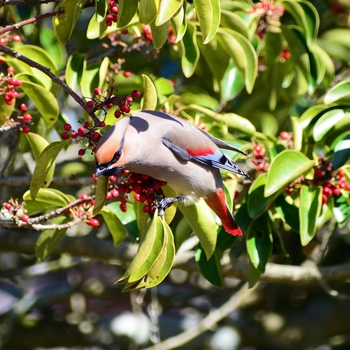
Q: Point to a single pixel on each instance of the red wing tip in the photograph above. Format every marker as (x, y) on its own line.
(233, 231)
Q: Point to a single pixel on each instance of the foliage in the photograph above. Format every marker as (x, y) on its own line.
(257, 75)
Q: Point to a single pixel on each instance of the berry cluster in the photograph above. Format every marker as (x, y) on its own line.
(287, 138)
(12, 209)
(86, 131)
(8, 84)
(7, 38)
(269, 16)
(123, 103)
(332, 182)
(146, 34)
(146, 189)
(112, 13)
(261, 160)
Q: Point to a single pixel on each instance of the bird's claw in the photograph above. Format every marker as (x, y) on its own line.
(166, 202)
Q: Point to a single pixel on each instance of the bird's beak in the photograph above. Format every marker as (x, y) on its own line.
(106, 170)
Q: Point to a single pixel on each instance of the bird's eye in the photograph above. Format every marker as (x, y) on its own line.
(117, 155)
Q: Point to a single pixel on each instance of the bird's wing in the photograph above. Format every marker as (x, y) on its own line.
(208, 154)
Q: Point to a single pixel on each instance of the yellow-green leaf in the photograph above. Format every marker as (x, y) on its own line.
(179, 24)
(101, 193)
(127, 10)
(64, 23)
(148, 10)
(45, 162)
(208, 15)
(159, 34)
(150, 94)
(285, 168)
(115, 226)
(167, 10)
(202, 221)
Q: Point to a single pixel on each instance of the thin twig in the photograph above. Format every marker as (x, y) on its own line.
(208, 322)
(6, 50)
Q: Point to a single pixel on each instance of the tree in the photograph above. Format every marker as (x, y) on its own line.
(270, 78)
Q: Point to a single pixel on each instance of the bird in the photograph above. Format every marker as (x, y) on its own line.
(173, 150)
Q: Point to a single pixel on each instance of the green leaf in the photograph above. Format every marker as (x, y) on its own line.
(306, 16)
(242, 53)
(327, 122)
(210, 269)
(309, 212)
(49, 239)
(148, 10)
(273, 47)
(202, 221)
(232, 82)
(341, 151)
(39, 55)
(259, 243)
(285, 168)
(64, 23)
(167, 9)
(189, 50)
(257, 204)
(231, 120)
(127, 10)
(159, 34)
(297, 133)
(234, 22)
(74, 70)
(150, 94)
(5, 110)
(101, 193)
(289, 213)
(45, 162)
(340, 91)
(43, 100)
(150, 247)
(115, 226)
(341, 210)
(169, 260)
(179, 24)
(100, 10)
(90, 79)
(38, 144)
(208, 15)
(47, 198)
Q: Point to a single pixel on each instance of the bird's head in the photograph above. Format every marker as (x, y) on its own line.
(109, 154)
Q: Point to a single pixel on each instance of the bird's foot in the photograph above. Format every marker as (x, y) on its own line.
(166, 202)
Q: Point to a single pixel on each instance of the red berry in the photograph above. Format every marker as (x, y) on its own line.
(111, 3)
(97, 91)
(96, 136)
(84, 196)
(81, 131)
(124, 108)
(324, 199)
(15, 82)
(109, 105)
(25, 217)
(128, 99)
(327, 191)
(74, 135)
(10, 70)
(284, 135)
(26, 129)
(135, 94)
(123, 208)
(7, 206)
(101, 124)
(67, 126)
(65, 135)
(89, 104)
(81, 152)
(93, 222)
(109, 196)
(146, 208)
(17, 38)
(86, 124)
(22, 107)
(127, 74)
(115, 193)
(114, 9)
(125, 31)
(117, 114)
(347, 187)
(319, 173)
(336, 191)
(94, 177)
(112, 178)
(27, 117)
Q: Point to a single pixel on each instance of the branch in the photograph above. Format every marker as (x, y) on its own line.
(56, 181)
(104, 250)
(208, 322)
(6, 50)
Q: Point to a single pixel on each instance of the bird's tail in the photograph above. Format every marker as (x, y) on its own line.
(218, 204)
